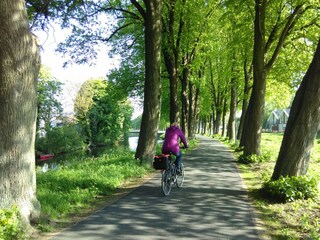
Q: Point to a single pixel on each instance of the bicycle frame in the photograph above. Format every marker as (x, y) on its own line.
(170, 177)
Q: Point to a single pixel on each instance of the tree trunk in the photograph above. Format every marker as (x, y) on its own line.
(233, 110)
(261, 66)
(184, 100)
(174, 106)
(19, 68)
(171, 60)
(224, 113)
(246, 96)
(212, 119)
(217, 121)
(193, 109)
(152, 86)
(302, 126)
(171, 66)
(253, 120)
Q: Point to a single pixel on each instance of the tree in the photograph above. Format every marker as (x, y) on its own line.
(231, 133)
(270, 34)
(173, 27)
(49, 107)
(83, 39)
(102, 112)
(152, 85)
(82, 105)
(302, 126)
(20, 64)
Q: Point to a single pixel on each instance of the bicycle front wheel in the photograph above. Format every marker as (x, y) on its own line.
(180, 177)
(166, 183)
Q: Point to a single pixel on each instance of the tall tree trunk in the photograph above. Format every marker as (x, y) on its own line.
(19, 68)
(253, 120)
(152, 86)
(174, 106)
(172, 70)
(217, 121)
(184, 100)
(302, 126)
(171, 45)
(246, 96)
(233, 110)
(212, 120)
(193, 109)
(224, 114)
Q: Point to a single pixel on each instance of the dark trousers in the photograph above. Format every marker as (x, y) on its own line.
(178, 160)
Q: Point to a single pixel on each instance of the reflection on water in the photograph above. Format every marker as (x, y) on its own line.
(52, 164)
(133, 143)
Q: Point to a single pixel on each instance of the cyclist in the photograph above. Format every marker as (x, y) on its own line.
(171, 143)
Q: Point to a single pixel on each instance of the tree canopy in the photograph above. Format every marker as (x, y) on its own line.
(218, 57)
(49, 107)
(101, 112)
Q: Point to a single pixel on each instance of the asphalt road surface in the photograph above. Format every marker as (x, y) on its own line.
(212, 204)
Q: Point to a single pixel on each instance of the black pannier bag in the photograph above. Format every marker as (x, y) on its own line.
(160, 162)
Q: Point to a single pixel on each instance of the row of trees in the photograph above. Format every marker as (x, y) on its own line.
(214, 57)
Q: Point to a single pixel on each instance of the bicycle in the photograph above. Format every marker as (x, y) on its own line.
(169, 172)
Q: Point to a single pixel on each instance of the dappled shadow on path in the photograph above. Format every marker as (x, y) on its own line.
(211, 205)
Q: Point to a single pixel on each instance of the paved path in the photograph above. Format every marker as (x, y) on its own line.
(212, 204)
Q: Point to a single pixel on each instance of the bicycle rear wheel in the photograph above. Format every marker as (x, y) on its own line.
(166, 183)
(180, 177)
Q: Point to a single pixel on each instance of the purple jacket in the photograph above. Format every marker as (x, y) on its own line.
(171, 140)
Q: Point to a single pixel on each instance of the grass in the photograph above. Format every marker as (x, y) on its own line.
(79, 184)
(299, 219)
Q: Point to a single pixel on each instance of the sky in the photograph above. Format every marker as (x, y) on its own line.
(74, 75)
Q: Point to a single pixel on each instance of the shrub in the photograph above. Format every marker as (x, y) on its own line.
(287, 189)
(10, 224)
(254, 158)
(61, 139)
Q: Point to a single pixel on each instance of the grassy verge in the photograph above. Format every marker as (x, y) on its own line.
(78, 186)
(299, 219)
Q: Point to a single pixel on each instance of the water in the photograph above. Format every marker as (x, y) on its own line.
(53, 164)
(133, 143)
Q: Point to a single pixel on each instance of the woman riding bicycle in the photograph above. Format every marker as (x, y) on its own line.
(171, 143)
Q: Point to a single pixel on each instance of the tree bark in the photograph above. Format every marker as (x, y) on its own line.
(232, 112)
(174, 106)
(194, 92)
(253, 120)
(224, 114)
(152, 86)
(302, 126)
(184, 99)
(246, 96)
(251, 137)
(19, 68)
(171, 59)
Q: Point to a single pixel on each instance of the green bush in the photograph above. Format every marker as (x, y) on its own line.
(287, 189)
(10, 225)
(61, 139)
(254, 158)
